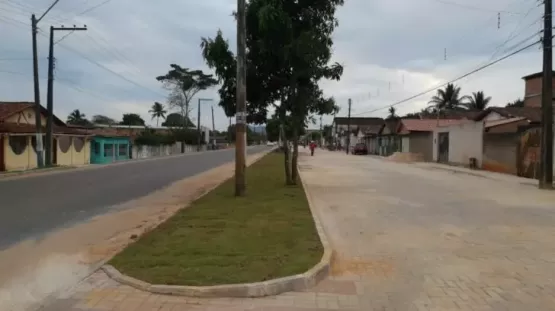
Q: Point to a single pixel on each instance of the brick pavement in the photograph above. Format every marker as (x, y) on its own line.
(404, 238)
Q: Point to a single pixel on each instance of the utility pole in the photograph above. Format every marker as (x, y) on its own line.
(241, 116)
(38, 107)
(50, 91)
(321, 132)
(198, 122)
(213, 128)
(349, 128)
(546, 176)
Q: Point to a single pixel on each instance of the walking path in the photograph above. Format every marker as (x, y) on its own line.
(405, 238)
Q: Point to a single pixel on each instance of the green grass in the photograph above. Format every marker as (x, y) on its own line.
(221, 239)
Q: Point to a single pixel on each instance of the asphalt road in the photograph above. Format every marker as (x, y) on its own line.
(33, 206)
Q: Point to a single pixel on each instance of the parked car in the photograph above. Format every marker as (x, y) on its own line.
(360, 149)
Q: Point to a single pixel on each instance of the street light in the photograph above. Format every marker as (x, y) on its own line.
(198, 121)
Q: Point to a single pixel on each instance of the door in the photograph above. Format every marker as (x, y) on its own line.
(2, 164)
(443, 147)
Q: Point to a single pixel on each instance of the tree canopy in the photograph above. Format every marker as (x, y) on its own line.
(77, 118)
(132, 119)
(101, 119)
(177, 120)
(158, 111)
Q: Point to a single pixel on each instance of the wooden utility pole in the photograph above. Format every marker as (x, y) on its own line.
(213, 128)
(546, 176)
(241, 116)
(348, 128)
(50, 92)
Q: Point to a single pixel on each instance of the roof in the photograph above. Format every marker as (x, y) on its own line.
(534, 75)
(354, 121)
(427, 125)
(372, 129)
(8, 109)
(495, 123)
(532, 114)
(31, 129)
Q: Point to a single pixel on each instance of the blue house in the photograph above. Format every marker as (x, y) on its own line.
(106, 149)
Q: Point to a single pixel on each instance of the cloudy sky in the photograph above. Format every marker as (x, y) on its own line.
(390, 51)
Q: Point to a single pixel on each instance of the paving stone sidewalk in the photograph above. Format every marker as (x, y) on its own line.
(405, 239)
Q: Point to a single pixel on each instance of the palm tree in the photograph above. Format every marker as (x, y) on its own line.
(157, 111)
(478, 101)
(447, 99)
(392, 114)
(77, 118)
(517, 103)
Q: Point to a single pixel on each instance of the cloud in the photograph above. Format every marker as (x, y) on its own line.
(390, 51)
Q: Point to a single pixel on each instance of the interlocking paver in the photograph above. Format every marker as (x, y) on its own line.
(404, 238)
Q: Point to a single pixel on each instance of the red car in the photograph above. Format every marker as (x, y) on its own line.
(360, 149)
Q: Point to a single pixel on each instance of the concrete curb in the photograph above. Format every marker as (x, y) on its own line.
(297, 282)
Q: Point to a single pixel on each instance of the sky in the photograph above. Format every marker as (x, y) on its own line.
(390, 52)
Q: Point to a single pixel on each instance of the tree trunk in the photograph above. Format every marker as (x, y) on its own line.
(286, 162)
(294, 160)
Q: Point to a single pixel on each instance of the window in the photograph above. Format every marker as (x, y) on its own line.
(96, 148)
(108, 150)
(122, 150)
(18, 144)
(78, 143)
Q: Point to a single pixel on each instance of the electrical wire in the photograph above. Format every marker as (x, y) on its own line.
(469, 7)
(451, 81)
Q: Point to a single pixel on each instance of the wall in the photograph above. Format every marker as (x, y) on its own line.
(24, 161)
(99, 156)
(145, 152)
(500, 153)
(72, 157)
(465, 142)
(532, 91)
(405, 144)
(26, 116)
(422, 143)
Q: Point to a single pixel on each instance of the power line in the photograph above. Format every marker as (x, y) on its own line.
(452, 81)
(473, 8)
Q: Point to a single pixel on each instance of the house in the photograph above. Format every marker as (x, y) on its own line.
(458, 142)
(388, 139)
(416, 135)
(108, 149)
(356, 125)
(18, 139)
(372, 138)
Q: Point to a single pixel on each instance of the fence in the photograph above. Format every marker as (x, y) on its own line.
(145, 152)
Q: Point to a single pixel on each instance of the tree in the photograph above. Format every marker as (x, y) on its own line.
(288, 51)
(176, 120)
(327, 131)
(447, 99)
(392, 114)
(157, 111)
(77, 118)
(517, 103)
(478, 101)
(132, 119)
(100, 119)
(184, 84)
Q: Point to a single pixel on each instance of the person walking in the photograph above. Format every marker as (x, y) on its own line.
(312, 148)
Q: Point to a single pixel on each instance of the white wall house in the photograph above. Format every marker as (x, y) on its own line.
(462, 141)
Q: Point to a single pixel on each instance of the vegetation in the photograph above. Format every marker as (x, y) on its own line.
(157, 111)
(251, 135)
(132, 119)
(517, 103)
(177, 120)
(447, 99)
(204, 244)
(100, 119)
(478, 101)
(392, 113)
(289, 48)
(77, 118)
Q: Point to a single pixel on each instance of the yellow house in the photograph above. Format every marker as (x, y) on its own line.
(71, 147)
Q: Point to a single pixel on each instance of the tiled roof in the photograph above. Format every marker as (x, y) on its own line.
(30, 129)
(532, 114)
(8, 109)
(372, 129)
(494, 123)
(427, 125)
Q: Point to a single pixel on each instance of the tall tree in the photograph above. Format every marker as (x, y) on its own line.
(392, 114)
(447, 99)
(177, 120)
(183, 85)
(77, 118)
(132, 119)
(288, 52)
(517, 103)
(158, 111)
(478, 101)
(101, 119)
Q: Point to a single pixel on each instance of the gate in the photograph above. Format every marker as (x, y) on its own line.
(528, 155)
(443, 147)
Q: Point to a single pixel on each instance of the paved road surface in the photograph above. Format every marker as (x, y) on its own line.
(35, 205)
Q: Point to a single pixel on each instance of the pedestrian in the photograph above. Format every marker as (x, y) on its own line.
(312, 147)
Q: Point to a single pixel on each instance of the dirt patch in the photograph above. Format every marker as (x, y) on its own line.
(32, 270)
(405, 157)
(355, 266)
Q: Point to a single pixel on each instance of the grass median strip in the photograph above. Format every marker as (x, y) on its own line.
(221, 239)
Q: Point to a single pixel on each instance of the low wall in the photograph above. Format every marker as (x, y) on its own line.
(145, 152)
